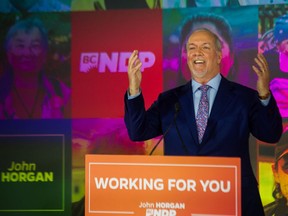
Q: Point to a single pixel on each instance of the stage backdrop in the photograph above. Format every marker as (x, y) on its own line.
(72, 103)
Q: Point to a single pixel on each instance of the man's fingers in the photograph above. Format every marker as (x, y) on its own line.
(260, 64)
(137, 64)
(132, 59)
(257, 71)
(262, 69)
(134, 64)
(263, 60)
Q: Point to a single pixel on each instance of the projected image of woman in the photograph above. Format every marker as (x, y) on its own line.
(26, 92)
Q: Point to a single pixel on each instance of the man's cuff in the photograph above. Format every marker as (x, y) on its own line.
(133, 96)
(265, 102)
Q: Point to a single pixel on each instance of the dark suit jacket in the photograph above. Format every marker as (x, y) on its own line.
(237, 112)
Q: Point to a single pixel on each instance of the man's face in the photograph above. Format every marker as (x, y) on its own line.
(26, 52)
(227, 57)
(203, 59)
(281, 174)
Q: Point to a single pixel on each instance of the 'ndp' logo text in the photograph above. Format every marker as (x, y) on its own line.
(113, 62)
(161, 212)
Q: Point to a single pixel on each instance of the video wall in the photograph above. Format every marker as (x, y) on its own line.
(63, 76)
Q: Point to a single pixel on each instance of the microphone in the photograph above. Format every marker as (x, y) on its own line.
(177, 109)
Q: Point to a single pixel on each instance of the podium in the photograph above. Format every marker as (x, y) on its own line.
(162, 185)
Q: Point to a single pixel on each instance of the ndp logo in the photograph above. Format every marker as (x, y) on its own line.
(160, 212)
(113, 62)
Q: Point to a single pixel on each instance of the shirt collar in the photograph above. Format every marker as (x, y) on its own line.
(213, 83)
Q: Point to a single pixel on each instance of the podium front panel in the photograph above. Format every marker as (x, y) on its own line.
(162, 185)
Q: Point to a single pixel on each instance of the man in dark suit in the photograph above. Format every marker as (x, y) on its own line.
(234, 113)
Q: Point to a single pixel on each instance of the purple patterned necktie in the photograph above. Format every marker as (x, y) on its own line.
(203, 112)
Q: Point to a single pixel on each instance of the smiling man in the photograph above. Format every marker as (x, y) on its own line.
(208, 116)
(204, 56)
(220, 27)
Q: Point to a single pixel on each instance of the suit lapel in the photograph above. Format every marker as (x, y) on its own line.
(185, 97)
(221, 103)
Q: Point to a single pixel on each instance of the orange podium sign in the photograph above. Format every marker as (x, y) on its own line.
(162, 185)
